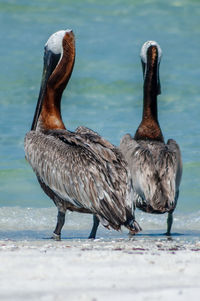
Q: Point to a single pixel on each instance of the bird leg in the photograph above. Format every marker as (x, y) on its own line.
(169, 223)
(94, 227)
(60, 224)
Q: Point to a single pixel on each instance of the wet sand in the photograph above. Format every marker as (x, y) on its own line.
(146, 267)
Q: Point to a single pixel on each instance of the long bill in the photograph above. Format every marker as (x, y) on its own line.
(50, 62)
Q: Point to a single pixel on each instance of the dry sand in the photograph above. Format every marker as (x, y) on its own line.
(141, 268)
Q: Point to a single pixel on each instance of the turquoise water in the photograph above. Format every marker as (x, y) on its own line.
(105, 91)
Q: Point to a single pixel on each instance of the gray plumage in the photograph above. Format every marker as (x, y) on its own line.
(81, 171)
(155, 166)
(156, 170)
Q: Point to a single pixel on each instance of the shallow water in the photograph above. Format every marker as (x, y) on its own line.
(105, 92)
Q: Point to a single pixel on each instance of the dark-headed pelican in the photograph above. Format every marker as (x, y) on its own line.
(80, 171)
(155, 166)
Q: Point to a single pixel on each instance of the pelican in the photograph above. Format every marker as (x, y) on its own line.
(155, 166)
(80, 171)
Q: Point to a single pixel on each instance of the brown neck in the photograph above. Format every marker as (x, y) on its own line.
(149, 127)
(50, 117)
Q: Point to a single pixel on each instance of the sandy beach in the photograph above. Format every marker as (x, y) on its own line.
(145, 267)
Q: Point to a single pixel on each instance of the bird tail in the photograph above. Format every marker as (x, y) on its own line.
(131, 224)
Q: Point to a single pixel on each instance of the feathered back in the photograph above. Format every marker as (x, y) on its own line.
(84, 169)
(156, 170)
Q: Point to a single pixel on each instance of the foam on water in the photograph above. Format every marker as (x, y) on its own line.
(37, 223)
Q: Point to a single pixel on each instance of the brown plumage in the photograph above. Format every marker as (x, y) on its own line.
(156, 167)
(80, 171)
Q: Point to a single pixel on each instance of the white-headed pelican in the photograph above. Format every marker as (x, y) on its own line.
(80, 171)
(155, 166)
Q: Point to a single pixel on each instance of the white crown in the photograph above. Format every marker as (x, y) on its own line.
(146, 45)
(54, 42)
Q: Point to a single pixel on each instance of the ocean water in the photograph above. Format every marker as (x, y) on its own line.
(104, 94)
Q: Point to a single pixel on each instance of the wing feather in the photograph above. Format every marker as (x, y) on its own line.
(82, 170)
(156, 170)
